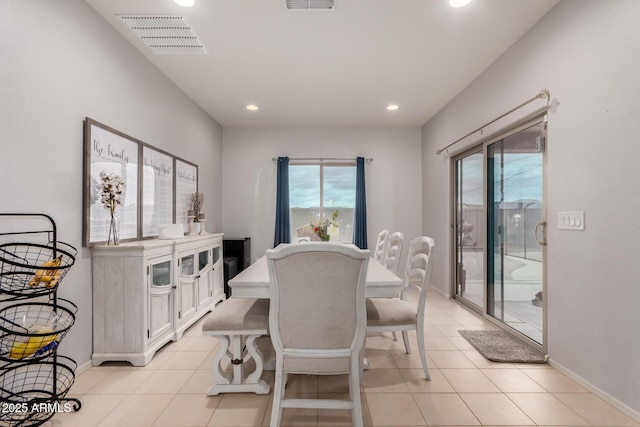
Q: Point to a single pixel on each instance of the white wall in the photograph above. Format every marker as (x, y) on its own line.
(393, 180)
(60, 62)
(587, 53)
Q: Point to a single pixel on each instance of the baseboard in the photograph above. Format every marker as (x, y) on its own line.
(80, 369)
(625, 409)
(628, 411)
(440, 291)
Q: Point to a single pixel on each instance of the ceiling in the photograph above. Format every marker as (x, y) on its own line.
(332, 68)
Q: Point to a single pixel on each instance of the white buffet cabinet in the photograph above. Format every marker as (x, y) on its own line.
(146, 293)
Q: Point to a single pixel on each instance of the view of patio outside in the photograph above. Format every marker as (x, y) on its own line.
(521, 269)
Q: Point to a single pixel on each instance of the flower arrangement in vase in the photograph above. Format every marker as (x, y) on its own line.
(111, 195)
(325, 228)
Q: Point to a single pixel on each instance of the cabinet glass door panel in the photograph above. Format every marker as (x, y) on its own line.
(161, 294)
(187, 287)
(203, 259)
(204, 272)
(187, 267)
(216, 254)
(161, 274)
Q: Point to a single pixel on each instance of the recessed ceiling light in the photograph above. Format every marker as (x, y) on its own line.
(459, 3)
(252, 107)
(392, 107)
(185, 3)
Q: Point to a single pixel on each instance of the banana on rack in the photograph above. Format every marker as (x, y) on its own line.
(22, 349)
(48, 276)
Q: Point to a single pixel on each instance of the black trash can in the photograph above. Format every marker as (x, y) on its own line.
(230, 271)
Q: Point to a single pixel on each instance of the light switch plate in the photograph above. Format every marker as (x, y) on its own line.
(570, 220)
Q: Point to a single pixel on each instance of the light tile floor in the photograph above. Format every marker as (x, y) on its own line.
(465, 390)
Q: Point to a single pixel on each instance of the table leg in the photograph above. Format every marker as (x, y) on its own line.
(236, 383)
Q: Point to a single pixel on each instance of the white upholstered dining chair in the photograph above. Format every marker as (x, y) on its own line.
(317, 319)
(381, 246)
(400, 314)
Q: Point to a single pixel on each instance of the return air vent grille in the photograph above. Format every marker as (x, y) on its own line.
(309, 4)
(165, 34)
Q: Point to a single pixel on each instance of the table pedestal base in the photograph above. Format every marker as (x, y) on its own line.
(231, 349)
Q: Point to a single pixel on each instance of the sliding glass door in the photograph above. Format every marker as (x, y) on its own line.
(469, 228)
(498, 206)
(515, 220)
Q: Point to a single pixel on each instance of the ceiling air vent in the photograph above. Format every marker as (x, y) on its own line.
(165, 34)
(309, 4)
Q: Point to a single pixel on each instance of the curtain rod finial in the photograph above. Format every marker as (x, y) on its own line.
(544, 93)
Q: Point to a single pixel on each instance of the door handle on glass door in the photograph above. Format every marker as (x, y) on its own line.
(541, 226)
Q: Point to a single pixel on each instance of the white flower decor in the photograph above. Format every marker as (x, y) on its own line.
(112, 195)
(326, 228)
(112, 189)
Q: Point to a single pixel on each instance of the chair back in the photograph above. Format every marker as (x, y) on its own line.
(393, 251)
(417, 271)
(317, 299)
(381, 246)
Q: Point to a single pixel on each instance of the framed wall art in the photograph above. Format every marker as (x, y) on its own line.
(186, 183)
(157, 186)
(157, 190)
(116, 155)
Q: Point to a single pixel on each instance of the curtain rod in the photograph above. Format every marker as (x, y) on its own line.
(322, 159)
(544, 93)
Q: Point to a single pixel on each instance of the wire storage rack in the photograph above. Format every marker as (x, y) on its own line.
(34, 379)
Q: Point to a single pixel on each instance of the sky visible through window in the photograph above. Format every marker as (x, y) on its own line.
(339, 186)
(517, 170)
(522, 178)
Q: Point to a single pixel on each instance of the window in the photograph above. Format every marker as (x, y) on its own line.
(316, 191)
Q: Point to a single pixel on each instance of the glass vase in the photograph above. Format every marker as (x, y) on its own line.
(113, 230)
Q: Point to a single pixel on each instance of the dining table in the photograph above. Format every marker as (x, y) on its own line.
(254, 282)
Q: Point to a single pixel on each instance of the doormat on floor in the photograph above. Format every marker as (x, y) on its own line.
(498, 346)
